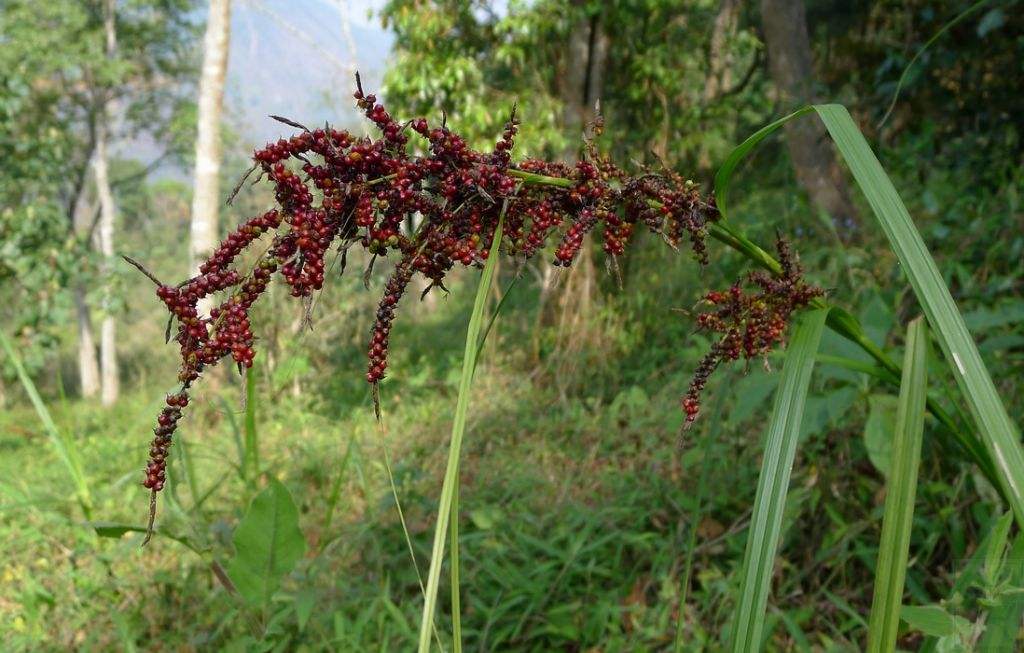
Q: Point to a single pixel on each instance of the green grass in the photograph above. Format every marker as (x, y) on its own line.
(781, 440)
(901, 491)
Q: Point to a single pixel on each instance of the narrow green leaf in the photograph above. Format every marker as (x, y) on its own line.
(773, 485)
(875, 371)
(995, 549)
(997, 431)
(999, 454)
(268, 543)
(723, 178)
(448, 487)
(68, 456)
(901, 490)
(116, 530)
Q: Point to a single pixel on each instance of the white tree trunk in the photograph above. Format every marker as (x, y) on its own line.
(110, 379)
(88, 363)
(206, 187)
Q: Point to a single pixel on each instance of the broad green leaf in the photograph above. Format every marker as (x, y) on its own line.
(773, 484)
(878, 430)
(932, 620)
(449, 487)
(969, 573)
(67, 455)
(268, 543)
(901, 489)
(304, 603)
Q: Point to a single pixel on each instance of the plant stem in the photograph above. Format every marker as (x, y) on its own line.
(839, 321)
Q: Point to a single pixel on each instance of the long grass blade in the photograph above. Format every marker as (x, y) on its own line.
(891, 570)
(68, 456)
(961, 353)
(455, 446)
(773, 485)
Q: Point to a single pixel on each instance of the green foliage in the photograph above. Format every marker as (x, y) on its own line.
(68, 455)
(475, 61)
(588, 522)
(56, 75)
(268, 543)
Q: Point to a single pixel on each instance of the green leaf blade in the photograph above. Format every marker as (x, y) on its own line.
(902, 488)
(773, 485)
(68, 455)
(449, 487)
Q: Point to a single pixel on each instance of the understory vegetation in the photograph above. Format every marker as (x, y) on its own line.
(299, 504)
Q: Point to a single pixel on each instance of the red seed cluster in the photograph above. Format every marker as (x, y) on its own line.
(167, 422)
(751, 323)
(393, 291)
(417, 193)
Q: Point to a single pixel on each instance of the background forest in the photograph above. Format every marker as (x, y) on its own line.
(590, 520)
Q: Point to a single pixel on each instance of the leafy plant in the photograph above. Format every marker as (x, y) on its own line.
(268, 543)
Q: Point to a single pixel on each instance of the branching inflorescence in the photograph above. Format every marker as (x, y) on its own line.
(333, 189)
(749, 323)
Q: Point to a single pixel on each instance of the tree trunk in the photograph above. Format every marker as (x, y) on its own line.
(789, 61)
(110, 379)
(719, 58)
(206, 186)
(581, 79)
(82, 212)
(88, 364)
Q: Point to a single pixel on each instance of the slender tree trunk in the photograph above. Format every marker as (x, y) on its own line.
(206, 186)
(581, 79)
(790, 64)
(110, 381)
(88, 364)
(82, 212)
(110, 378)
